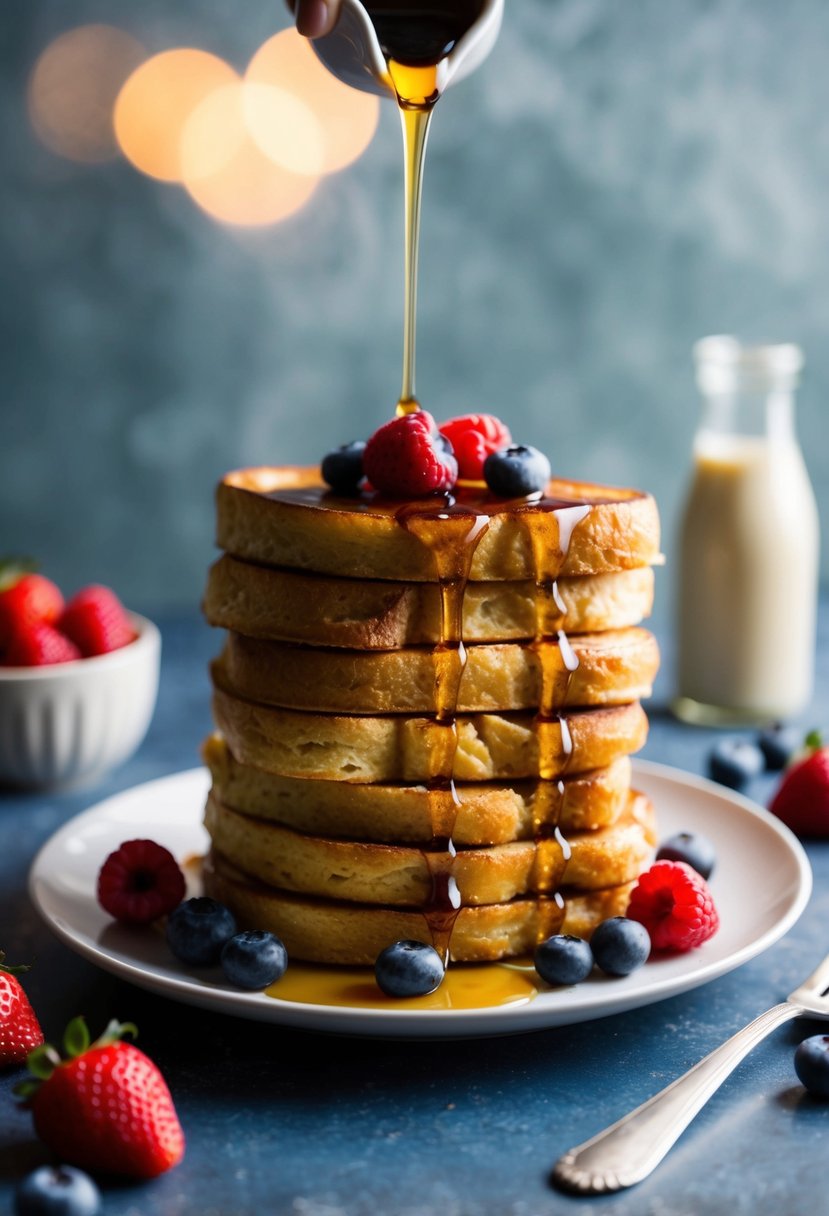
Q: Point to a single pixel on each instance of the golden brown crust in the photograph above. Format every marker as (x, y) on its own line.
(328, 931)
(614, 668)
(365, 614)
(363, 540)
(333, 747)
(361, 872)
(488, 814)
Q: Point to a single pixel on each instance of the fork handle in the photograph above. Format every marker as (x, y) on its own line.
(628, 1150)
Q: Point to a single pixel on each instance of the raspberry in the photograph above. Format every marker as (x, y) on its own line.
(403, 460)
(30, 600)
(96, 622)
(39, 645)
(674, 904)
(139, 882)
(473, 438)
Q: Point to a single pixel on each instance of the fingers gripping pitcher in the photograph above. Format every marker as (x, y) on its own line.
(748, 543)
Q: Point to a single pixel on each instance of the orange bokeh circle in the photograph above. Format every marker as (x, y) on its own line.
(156, 103)
(348, 118)
(243, 186)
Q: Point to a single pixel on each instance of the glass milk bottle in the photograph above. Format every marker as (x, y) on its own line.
(748, 557)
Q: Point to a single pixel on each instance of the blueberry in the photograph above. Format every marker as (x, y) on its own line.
(254, 959)
(409, 969)
(811, 1063)
(691, 847)
(734, 762)
(443, 444)
(564, 959)
(343, 468)
(516, 471)
(197, 930)
(778, 744)
(620, 945)
(61, 1191)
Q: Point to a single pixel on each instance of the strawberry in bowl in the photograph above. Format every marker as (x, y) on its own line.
(78, 680)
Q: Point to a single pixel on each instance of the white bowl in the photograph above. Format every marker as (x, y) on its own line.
(70, 722)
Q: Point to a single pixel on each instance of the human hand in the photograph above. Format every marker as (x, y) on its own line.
(315, 17)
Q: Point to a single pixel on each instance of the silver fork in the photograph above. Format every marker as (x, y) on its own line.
(627, 1151)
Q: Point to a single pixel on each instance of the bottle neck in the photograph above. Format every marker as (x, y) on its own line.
(760, 414)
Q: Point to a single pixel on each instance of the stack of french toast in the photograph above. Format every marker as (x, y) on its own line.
(413, 749)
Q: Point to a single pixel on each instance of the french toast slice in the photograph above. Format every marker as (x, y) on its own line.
(365, 614)
(335, 747)
(361, 872)
(288, 517)
(611, 668)
(334, 932)
(487, 814)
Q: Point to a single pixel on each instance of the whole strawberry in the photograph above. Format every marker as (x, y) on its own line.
(26, 599)
(106, 1108)
(20, 1030)
(407, 458)
(39, 645)
(96, 621)
(802, 799)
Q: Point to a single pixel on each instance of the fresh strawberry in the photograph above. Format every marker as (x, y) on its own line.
(407, 459)
(675, 905)
(473, 438)
(139, 882)
(96, 621)
(39, 645)
(106, 1108)
(20, 1030)
(26, 600)
(802, 799)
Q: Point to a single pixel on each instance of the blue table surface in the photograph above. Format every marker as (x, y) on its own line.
(279, 1121)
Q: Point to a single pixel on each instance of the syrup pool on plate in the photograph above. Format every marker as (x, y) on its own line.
(465, 986)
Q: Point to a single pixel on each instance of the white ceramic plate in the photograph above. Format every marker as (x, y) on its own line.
(749, 841)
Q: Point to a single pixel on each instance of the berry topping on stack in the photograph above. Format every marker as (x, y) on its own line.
(342, 469)
(410, 457)
(517, 471)
(474, 437)
(404, 459)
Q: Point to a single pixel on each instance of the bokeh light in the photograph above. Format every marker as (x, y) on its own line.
(285, 128)
(73, 86)
(225, 171)
(348, 118)
(156, 103)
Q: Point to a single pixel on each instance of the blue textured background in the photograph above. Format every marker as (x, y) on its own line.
(618, 180)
